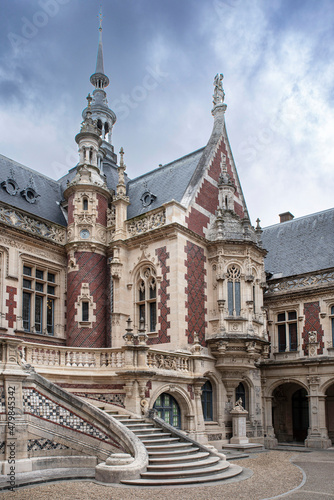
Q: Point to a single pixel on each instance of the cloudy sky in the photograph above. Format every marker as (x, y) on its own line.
(161, 56)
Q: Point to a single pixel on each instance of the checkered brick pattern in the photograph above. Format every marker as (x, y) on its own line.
(45, 444)
(102, 206)
(93, 270)
(116, 399)
(36, 404)
(163, 296)
(312, 324)
(195, 292)
(197, 221)
(11, 304)
(215, 170)
(207, 197)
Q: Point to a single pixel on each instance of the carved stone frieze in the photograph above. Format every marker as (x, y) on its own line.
(146, 223)
(47, 230)
(287, 285)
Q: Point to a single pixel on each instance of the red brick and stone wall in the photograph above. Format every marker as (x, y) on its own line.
(163, 297)
(11, 305)
(195, 292)
(312, 324)
(102, 206)
(93, 270)
(70, 209)
(207, 195)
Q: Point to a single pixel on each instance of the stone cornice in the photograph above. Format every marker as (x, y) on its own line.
(303, 284)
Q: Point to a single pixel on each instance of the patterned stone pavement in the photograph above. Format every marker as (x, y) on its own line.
(273, 474)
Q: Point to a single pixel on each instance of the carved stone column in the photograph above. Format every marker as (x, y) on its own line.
(317, 436)
(200, 427)
(270, 440)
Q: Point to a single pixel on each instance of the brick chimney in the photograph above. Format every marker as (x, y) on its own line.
(285, 217)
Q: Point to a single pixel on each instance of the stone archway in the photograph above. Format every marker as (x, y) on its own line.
(330, 412)
(290, 412)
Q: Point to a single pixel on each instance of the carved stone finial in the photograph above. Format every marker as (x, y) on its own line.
(121, 152)
(218, 93)
(258, 224)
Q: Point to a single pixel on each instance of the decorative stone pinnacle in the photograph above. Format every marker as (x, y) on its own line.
(218, 93)
(89, 100)
(258, 223)
(121, 162)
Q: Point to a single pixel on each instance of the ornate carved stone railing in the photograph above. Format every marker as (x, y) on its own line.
(16, 218)
(146, 223)
(168, 361)
(49, 356)
(294, 284)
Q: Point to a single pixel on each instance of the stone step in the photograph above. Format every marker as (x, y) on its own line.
(143, 429)
(178, 458)
(145, 425)
(172, 448)
(158, 441)
(153, 435)
(231, 471)
(194, 471)
(183, 465)
(127, 420)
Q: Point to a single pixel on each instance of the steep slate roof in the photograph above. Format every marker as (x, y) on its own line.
(110, 172)
(47, 203)
(166, 183)
(301, 245)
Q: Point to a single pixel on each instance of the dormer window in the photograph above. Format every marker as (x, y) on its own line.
(30, 195)
(10, 186)
(84, 204)
(147, 198)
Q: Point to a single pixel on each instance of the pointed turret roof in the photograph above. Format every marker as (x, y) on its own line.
(99, 79)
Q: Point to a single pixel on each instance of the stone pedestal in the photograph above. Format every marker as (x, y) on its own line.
(239, 416)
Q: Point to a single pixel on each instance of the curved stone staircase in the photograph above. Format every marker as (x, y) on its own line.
(174, 459)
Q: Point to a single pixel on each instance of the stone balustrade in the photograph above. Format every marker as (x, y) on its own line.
(161, 360)
(39, 355)
(109, 359)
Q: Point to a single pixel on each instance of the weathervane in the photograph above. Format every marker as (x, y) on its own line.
(100, 16)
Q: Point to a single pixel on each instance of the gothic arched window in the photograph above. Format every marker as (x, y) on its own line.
(233, 291)
(147, 298)
(207, 401)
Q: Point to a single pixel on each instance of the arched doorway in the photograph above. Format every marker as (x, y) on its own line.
(290, 413)
(300, 418)
(168, 409)
(330, 412)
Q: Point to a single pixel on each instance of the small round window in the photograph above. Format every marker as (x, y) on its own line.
(147, 198)
(10, 186)
(30, 195)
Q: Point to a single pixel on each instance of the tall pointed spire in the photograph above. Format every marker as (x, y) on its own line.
(100, 110)
(99, 79)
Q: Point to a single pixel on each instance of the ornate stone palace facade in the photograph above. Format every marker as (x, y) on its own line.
(158, 291)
